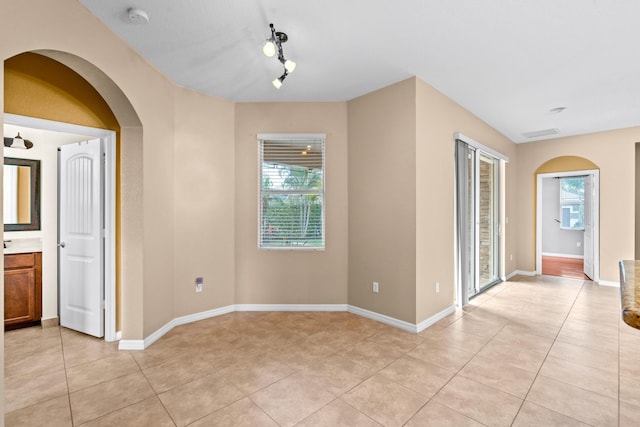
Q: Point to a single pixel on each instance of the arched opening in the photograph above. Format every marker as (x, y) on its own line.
(64, 88)
(566, 206)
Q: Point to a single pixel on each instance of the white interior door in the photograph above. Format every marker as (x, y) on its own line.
(588, 226)
(80, 248)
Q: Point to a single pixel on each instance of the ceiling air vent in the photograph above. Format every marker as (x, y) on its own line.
(541, 133)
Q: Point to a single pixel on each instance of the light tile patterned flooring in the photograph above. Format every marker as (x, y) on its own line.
(530, 352)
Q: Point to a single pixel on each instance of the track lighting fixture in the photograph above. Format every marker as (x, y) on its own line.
(273, 46)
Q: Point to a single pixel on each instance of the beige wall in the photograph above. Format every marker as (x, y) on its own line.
(382, 202)
(438, 118)
(283, 276)
(145, 103)
(637, 204)
(402, 221)
(614, 154)
(204, 202)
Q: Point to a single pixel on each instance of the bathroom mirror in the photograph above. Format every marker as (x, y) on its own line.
(21, 194)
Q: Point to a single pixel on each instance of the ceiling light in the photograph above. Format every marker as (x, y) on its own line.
(277, 83)
(18, 142)
(138, 16)
(273, 46)
(289, 65)
(269, 48)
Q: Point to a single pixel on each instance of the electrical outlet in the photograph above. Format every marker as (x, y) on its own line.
(376, 287)
(199, 283)
(511, 257)
(437, 287)
(579, 244)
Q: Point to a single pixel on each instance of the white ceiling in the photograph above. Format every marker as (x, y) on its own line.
(507, 61)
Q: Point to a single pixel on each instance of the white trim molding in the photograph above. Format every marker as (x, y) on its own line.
(388, 320)
(382, 318)
(608, 283)
(142, 344)
(435, 318)
(562, 255)
(520, 273)
(291, 307)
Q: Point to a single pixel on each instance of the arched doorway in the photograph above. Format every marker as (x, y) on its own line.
(567, 214)
(83, 89)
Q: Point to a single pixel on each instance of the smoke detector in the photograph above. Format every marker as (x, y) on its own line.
(138, 16)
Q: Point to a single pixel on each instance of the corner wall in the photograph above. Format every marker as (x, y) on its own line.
(438, 118)
(382, 200)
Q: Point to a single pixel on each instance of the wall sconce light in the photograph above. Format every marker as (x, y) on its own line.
(18, 142)
(273, 46)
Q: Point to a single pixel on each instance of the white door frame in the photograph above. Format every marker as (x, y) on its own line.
(109, 139)
(596, 216)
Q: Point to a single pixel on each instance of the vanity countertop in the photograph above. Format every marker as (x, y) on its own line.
(21, 246)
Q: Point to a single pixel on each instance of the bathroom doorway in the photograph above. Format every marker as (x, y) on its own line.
(64, 133)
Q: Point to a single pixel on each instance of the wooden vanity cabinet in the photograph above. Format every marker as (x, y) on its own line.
(22, 290)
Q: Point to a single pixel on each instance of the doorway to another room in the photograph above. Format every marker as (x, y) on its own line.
(60, 300)
(567, 231)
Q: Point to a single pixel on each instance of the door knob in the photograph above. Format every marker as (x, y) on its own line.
(61, 244)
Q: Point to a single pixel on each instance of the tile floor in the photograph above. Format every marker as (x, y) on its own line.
(530, 352)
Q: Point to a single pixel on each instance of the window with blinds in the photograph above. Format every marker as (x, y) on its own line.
(291, 192)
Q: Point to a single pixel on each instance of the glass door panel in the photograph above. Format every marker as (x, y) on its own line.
(488, 221)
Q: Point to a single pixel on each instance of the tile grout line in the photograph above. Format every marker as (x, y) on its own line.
(66, 377)
(547, 355)
(462, 367)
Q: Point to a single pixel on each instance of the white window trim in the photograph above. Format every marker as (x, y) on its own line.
(292, 137)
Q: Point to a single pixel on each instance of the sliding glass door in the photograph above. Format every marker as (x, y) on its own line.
(478, 219)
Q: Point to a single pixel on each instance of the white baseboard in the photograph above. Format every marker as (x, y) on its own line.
(435, 318)
(607, 283)
(291, 307)
(131, 345)
(520, 273)
(562, 255)
(382, 318)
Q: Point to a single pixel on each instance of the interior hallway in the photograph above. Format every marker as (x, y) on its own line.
(531, 351)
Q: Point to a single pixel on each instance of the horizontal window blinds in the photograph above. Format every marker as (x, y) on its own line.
(292, 193)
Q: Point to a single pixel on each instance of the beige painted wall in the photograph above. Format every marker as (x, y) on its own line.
(637, 204)
(402, 220)
(382, 202)
(614, 153)
(438, 118)
(204, 202)
(143, 101)
(285, 276)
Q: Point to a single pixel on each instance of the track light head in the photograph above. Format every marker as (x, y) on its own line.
(272, 46)
(289, 65)
(277, 83)
(269, 48)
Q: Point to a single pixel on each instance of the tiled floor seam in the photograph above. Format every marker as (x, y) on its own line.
(524, 399)
(66, 377)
